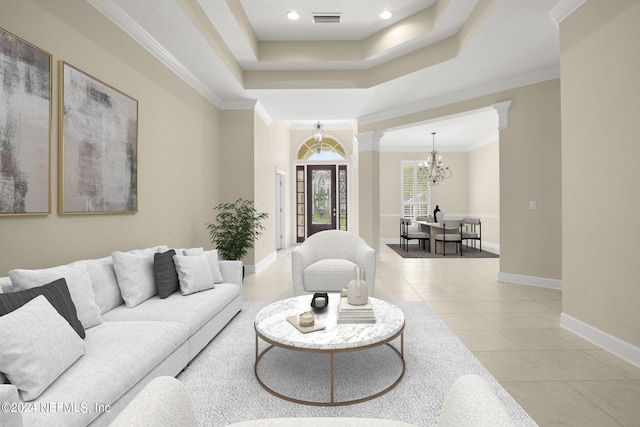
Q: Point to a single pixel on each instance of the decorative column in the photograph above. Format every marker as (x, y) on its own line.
(503, 113)
(369, 187)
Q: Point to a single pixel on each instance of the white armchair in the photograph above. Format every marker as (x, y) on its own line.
(325, 261)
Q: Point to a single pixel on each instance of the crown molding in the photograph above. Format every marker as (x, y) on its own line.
(238, 104)
(565, 8)
(423, 149)
(260, 110)
(307, 125)
(538, 77)
(119, 17)
(369, 141)
(248, 104)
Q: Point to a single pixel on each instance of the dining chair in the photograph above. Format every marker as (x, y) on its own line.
(403, 235)
(411, 233)
(472, 230)
(451, 232)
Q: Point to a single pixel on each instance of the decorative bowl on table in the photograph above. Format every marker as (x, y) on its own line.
(320, 301)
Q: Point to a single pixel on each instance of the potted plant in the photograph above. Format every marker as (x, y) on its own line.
(236, 228)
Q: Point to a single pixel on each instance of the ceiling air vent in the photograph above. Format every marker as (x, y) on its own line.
(326, 18)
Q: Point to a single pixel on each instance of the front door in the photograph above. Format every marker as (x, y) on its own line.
(321, 198)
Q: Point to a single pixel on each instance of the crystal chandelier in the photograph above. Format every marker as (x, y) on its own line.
(435, 171)
(318, 134)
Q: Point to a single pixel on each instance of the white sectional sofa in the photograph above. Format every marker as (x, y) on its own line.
(132, 335)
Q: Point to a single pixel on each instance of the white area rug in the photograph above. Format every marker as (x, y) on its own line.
(224, 389)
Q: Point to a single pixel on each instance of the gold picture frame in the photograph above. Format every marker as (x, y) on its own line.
(25, 127)
(98, 146)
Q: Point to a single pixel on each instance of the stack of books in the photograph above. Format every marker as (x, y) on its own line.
(348, 313)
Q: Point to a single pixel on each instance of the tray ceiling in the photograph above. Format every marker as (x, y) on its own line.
(431, 52)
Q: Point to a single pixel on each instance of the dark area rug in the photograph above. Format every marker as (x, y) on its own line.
(416, 252)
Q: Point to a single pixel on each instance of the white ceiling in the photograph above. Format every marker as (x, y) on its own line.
(206, 44)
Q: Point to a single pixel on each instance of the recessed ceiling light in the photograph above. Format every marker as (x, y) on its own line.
(385, 14)
(293, 15)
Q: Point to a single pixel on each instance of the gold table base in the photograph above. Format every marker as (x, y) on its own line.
(331, 353)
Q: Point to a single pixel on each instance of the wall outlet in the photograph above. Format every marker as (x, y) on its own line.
(533, 204)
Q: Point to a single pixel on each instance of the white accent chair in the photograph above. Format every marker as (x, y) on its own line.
(325, 261)
(164, 402)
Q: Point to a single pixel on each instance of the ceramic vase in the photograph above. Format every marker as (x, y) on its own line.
(357, 293)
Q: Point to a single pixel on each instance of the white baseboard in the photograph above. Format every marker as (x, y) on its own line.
(389, 240)
(608, 342)
(541, 282)
(492, 247)
(264, 262)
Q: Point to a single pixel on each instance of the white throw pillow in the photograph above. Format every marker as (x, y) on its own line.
(191, 251)
(214, 265)
(104, 283)
(136, 279)
(194, 273)
(212, 257)
(153, 249)
(78, 281)
(5, 284)
(38, 345)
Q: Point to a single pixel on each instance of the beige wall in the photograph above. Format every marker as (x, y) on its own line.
(237, 131)
(484, 191)
(472, 190)
(178, 144)
(600, 173)
(530, 241)
(271, 151)
(369, 197)
(264, 186)
(452, 196)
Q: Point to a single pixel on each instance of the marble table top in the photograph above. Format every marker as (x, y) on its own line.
(271, 323)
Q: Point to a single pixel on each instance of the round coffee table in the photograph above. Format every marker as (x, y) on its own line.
(271, 326)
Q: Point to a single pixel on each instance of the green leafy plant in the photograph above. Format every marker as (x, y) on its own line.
(236, 228)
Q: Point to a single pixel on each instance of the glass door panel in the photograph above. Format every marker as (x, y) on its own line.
(321, 198)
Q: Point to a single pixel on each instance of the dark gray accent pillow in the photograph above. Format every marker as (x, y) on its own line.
(165, 273)
(56, 292)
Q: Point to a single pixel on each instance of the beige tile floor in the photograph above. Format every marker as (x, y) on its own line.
(557, 377)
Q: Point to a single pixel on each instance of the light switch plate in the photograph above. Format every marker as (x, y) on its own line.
(533, 204)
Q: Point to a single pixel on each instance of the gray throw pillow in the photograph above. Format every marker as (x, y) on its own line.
(55, 292)
(165, 273)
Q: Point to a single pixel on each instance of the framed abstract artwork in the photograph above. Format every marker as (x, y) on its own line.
(25, 127)
(98, 146)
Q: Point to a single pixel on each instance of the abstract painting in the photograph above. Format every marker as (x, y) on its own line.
(25, 127)
(98, 146)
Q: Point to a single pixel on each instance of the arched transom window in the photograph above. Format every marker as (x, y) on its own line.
(330, 150)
